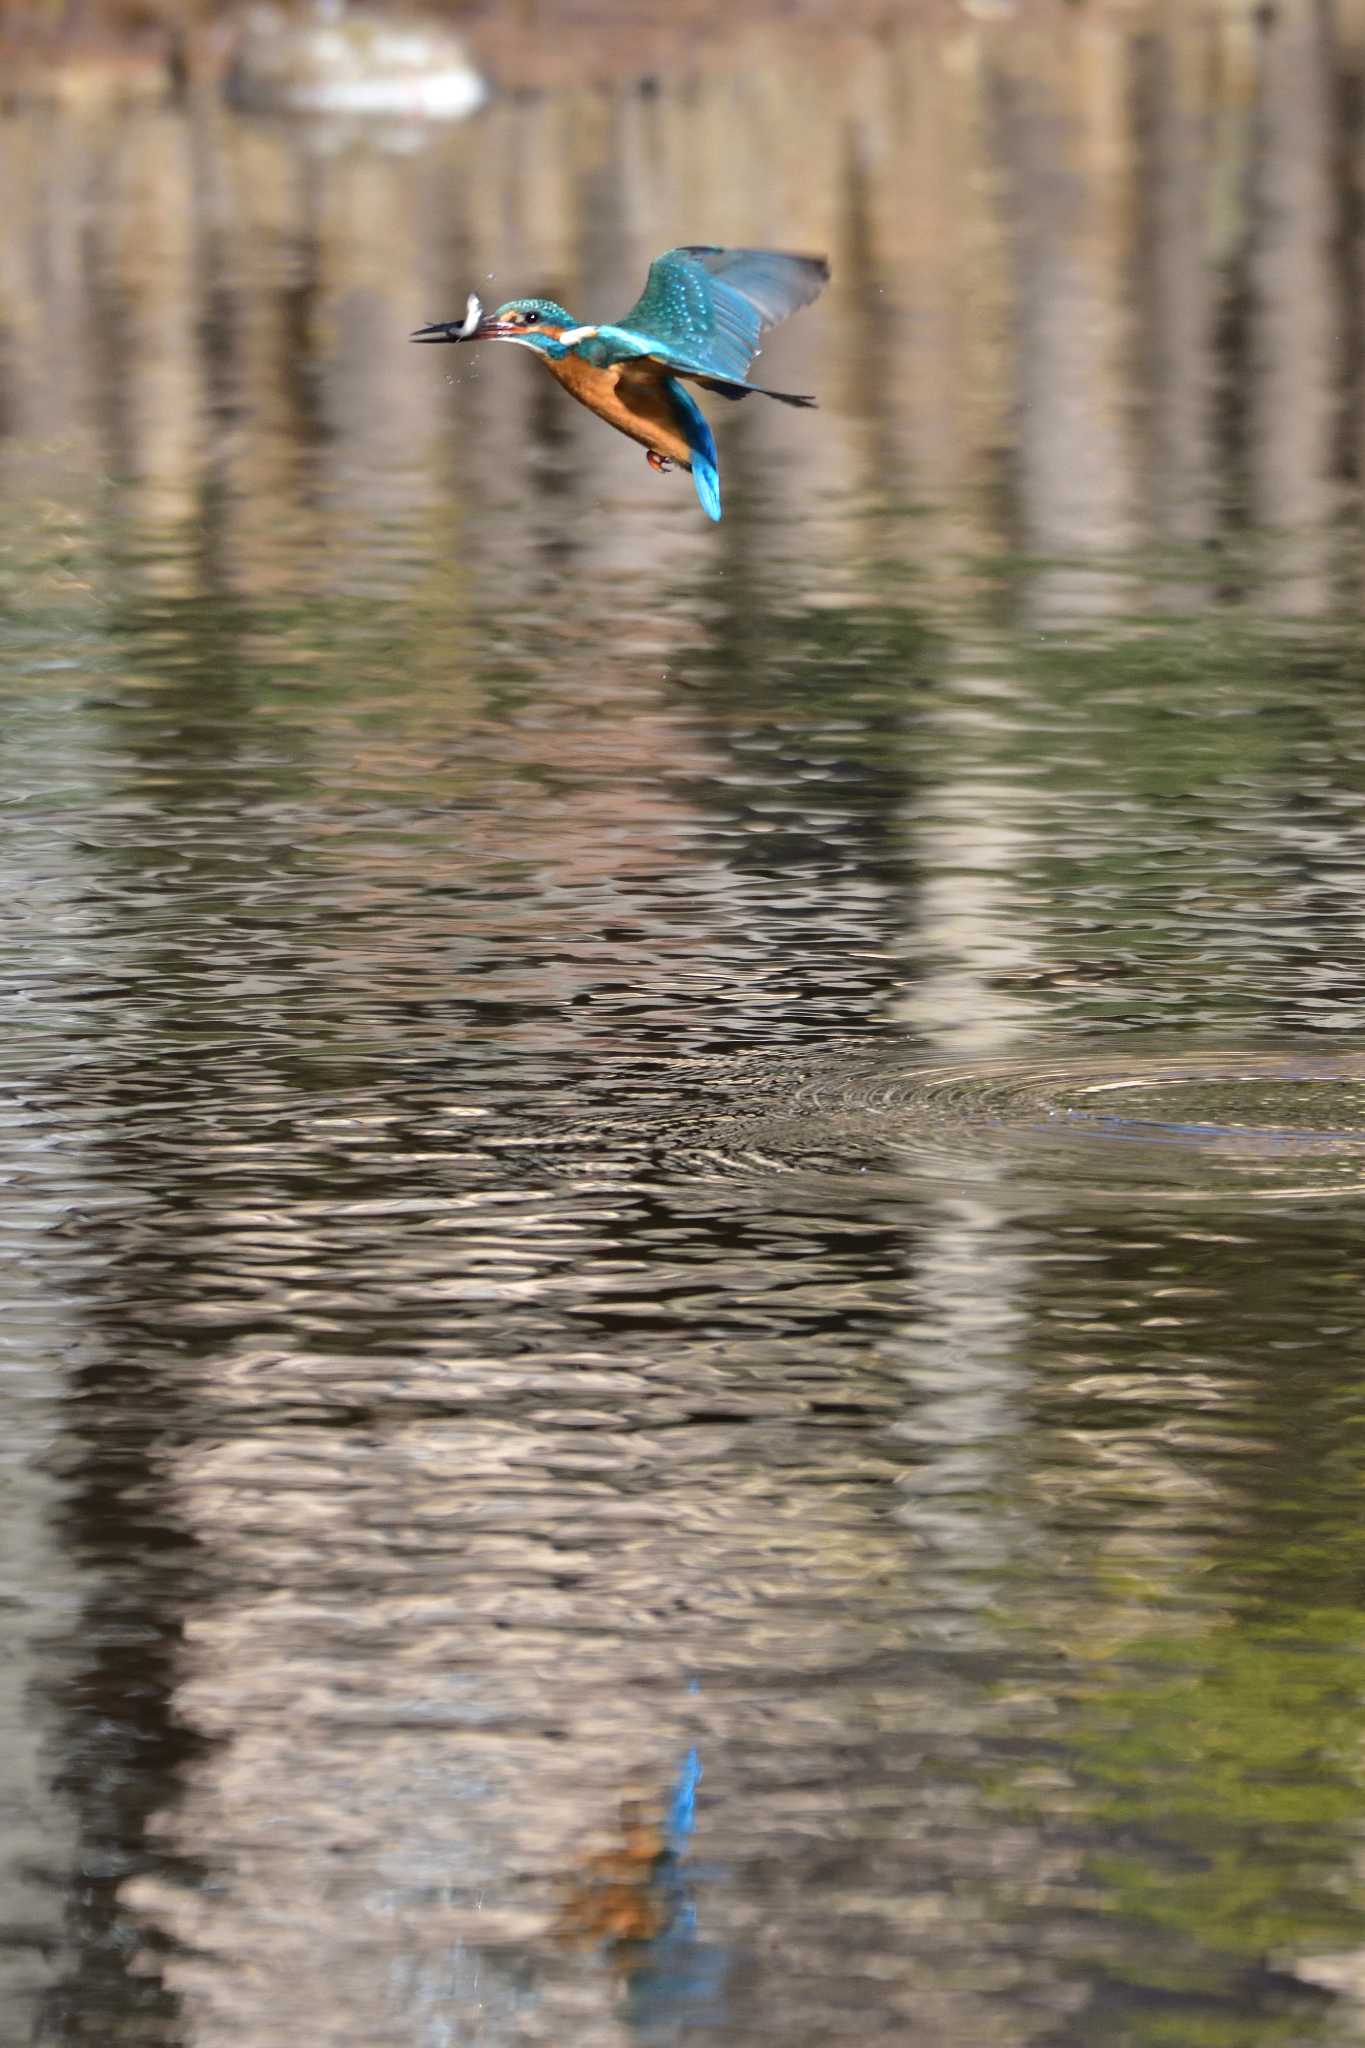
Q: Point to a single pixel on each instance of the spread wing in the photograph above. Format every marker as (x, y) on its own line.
(704, 310)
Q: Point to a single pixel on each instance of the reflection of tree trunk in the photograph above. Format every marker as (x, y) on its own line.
(1171, 279)
(110, 1684)
(42, 1834)
(1060, 134)
(1348, 87)
(1296, 299)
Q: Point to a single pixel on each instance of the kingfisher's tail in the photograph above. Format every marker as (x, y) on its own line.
(697, 432)
(731, 387)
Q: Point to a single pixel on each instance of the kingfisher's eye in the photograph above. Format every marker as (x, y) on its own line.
(529, 319)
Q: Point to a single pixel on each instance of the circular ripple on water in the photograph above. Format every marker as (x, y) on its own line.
(1179, 1126)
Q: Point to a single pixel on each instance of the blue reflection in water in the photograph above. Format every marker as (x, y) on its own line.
(682, 1807)
(676, 1979)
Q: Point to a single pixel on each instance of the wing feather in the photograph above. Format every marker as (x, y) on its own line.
(706, 310)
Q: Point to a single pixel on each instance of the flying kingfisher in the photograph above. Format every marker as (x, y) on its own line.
(700, 317)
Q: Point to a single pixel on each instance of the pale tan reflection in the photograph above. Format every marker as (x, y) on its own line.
(964, 1364)
(1062, 144)
(445, 1651)
(926, 379)
(974, 951)
(1343, 1974)
(47, 387)
(974, 827)
(475, 1639)
(108, 316)
(976, 1357)
(1174, 281)
(153, 254)
(972, 942)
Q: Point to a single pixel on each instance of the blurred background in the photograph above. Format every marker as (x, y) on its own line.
(680, 1325)
(1096, 266)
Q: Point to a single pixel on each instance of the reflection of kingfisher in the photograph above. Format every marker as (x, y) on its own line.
(700, 317)
(634, 1901)
(631, 1892)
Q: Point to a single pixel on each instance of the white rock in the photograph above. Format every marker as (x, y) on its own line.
(346, 61)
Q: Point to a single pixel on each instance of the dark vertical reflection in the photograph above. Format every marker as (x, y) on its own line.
(297, 343)
(107, 320)
(884, 325)
(835, 778)
(110, 1683)
(219, 339)
(130, 1408)
(1234, 422)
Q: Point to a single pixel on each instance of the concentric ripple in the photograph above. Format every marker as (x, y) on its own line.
(1174, 1125)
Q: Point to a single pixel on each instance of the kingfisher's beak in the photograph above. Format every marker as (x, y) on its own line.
(475, 326)
(460, 330)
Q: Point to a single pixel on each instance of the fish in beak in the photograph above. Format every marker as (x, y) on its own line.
(474, 327)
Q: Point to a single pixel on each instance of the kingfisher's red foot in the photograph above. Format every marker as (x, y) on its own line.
(663, 463)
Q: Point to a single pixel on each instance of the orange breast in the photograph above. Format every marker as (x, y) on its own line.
(628, 396)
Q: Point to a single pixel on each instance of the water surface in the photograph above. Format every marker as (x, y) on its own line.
(634, 1149)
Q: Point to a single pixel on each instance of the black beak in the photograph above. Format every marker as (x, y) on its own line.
(476, 326)
(444, 330)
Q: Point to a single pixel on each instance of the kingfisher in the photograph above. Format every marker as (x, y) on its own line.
(700, 317)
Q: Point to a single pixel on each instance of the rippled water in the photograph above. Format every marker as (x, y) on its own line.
(683, 1320)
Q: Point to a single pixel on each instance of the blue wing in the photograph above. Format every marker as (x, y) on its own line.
(701, 441)
(704, 311)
